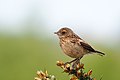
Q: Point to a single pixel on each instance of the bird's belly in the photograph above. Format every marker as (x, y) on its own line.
(72, 50)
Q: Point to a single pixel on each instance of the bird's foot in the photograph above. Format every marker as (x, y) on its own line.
(71, 61)
(75, 63)
(67, 63)
(74, 60)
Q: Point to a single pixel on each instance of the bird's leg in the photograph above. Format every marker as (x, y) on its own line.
(76, 62)
(74, 65)
(71, 61)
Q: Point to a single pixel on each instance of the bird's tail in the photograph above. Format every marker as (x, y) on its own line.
(100, 53)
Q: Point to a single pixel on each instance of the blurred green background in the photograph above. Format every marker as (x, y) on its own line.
(27, 42)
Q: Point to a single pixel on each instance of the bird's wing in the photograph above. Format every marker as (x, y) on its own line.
(76, 39)
(87, 46)
(81, 42)
(90, 49)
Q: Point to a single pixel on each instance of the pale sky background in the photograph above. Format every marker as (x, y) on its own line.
(97, 19)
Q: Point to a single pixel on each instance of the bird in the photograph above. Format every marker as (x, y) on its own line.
(74, 46)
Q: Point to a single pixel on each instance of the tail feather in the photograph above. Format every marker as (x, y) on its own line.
(100, 53)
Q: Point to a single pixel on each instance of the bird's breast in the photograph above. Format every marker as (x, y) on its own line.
(71, 49)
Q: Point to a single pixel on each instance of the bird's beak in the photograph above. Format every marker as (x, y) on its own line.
(55, 32)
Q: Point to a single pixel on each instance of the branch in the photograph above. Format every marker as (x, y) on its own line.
(76, 72)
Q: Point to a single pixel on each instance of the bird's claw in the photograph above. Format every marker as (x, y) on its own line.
(67, 63)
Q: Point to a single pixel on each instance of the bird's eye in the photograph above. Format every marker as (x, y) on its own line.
(63, 32)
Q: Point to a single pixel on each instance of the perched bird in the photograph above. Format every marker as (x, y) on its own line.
(73, 46)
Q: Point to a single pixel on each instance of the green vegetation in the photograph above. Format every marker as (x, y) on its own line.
(21, 57)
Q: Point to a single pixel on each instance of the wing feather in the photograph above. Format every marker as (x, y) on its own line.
(87, 46)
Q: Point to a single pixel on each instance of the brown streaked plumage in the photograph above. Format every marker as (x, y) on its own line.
(72, 45)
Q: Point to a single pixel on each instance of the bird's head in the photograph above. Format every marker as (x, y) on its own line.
(64, 32)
